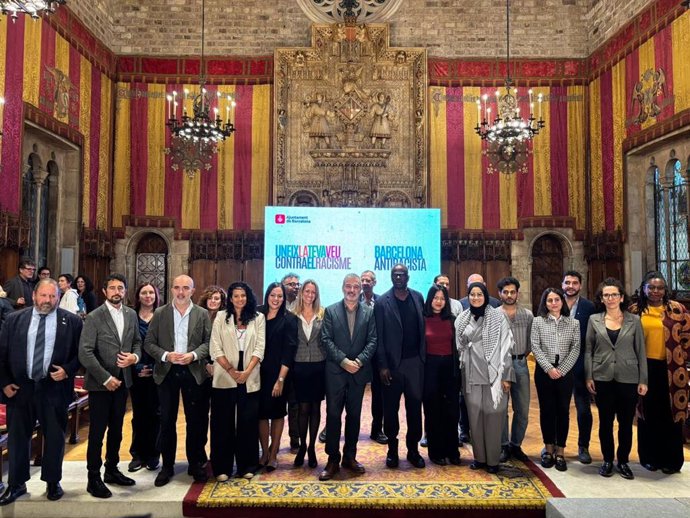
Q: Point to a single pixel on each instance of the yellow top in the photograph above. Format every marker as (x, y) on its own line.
(654, 333)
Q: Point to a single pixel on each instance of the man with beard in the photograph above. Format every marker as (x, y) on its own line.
(38, 360)
(581, 309)
(369, 298)
(178, 338)
(19, 289)
(110, 345)
(400, 356)
(291, 283)
(520, 320)
(349, 337)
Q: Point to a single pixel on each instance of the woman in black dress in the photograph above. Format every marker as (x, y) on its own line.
(309, 369)
(279, 355)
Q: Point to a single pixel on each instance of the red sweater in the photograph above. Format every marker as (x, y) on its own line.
(439, 336)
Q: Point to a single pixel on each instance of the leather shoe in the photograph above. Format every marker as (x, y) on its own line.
(455, 461)
(516, 452)
(135, 465)
(650, 467)
(624, 470)
(353, 466)
(606, 469)
(560, 463)
(669, 471)
(199, 474)
(152, 464)
(416, 460)
(115, 476)
(331, 469)
(12, 493)
(477, 465)
(492, 469)
(583, 455)
(380, 438)
(97, 488)
(54, 490)
(505, 454)
(163, 477)
(441, 461)
(392, 460)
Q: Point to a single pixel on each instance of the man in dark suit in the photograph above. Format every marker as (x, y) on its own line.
(581, 309)
(349, 336)
(20, 288)
(177, 340)
(110, 345)
(38, 360)
(400, 355)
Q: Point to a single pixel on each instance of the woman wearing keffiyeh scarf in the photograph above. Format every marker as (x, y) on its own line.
(485, 343)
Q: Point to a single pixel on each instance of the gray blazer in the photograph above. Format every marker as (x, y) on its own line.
(626, 362)
(335, 338)
(100, 344)
(310, 350)
(160, 339)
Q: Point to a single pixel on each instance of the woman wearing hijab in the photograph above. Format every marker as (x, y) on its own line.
(556, 347)
(485, 342)
(664, 409)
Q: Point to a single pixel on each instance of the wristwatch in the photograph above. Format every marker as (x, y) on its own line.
(281, 379)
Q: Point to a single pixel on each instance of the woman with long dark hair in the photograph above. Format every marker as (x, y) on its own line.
(485, 343)
(441, 375)
(615, 371)
(237, 348)
(664, 409)
(556, 347)
(279, 355)
(309, 370)
(84, 288)
(145, 406)
(213, 300)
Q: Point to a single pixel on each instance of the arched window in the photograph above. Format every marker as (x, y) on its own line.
(671, 226)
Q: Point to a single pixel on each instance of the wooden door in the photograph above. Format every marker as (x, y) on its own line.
(547, 267)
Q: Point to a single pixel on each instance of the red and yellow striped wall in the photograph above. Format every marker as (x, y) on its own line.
(469, 198)
(28, 49)
(229, 196)
(612, 111)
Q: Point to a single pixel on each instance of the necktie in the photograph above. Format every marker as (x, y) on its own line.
(39, 349)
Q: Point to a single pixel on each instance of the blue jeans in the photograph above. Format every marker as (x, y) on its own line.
(519, 396)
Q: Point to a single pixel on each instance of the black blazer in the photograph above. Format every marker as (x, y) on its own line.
(335, 338)
(585, 308)
(13, 347)
(389, 329)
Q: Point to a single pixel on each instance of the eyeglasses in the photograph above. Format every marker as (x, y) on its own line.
(611, 296)
(292, 284)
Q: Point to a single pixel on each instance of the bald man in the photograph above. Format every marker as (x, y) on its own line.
(475, 277)
(177, 340)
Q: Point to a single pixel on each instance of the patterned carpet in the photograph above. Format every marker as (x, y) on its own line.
(517, 487)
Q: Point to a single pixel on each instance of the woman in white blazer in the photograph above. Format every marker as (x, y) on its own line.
(237, 348)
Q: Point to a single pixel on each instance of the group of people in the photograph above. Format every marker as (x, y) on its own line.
(249, 366)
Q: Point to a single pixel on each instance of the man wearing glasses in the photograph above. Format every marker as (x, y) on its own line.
(291, 283)
(20, 288)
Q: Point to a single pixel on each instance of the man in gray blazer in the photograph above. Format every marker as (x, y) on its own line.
(349, 336)
(110, 345)
(177, 339)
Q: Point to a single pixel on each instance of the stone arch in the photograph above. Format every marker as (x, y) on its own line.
(566, 243)
(548, 265)
(131, 246)
(303, 199)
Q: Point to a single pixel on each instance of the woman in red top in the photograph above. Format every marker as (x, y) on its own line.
(441, 379)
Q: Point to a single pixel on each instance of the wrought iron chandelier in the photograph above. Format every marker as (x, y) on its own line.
(33, 8)
(201, 128)
(507, 127)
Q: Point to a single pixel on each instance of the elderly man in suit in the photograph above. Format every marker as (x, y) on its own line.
(38, 360)
(110, 345)
(349, 336)
(178, 339)
(400, 356)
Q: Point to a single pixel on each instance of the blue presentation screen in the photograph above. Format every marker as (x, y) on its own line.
(324, 244)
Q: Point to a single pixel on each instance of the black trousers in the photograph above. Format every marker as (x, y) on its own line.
(234, 430)
(343, 392)
(145, 419)
(659, 438)
(376, 403)
(617, 400)
(583, 403)
(408, 380)
(554, 406)
(441, 409)
(195, 399)
(106, 411)
(22, 412)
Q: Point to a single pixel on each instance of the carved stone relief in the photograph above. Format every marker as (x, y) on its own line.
(349, 125)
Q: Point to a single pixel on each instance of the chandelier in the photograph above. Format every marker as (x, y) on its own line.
(508, 127)
(33, 8)
(201, 128)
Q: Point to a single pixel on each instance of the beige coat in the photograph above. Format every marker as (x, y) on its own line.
(224, 343)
